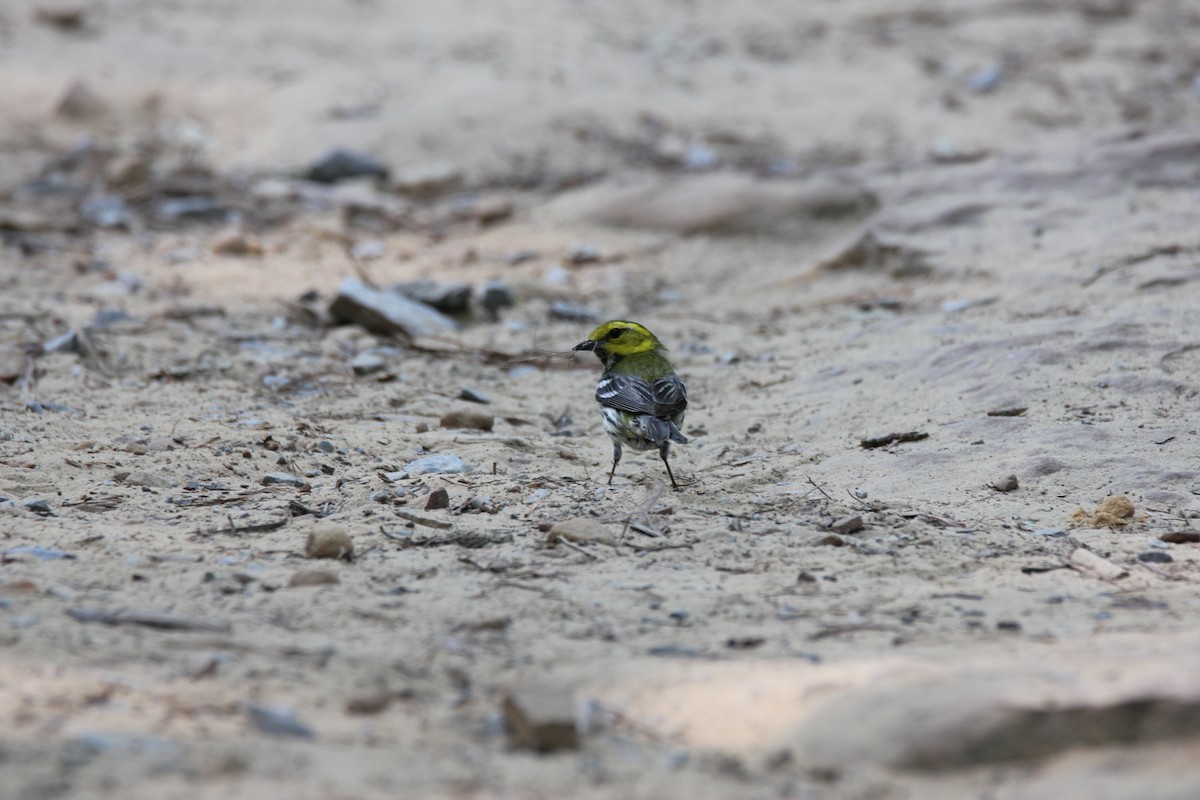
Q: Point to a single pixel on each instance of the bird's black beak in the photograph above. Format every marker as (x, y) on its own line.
(590, 344)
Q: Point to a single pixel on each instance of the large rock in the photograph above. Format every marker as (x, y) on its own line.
(926, 714)
(387, 313)
(721, 202)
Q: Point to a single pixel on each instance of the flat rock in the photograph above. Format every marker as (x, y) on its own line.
(473, 396)
(428, 179)
(541, 718)
(927, 714)
(387, 313)
(436, 465)
(1008, 483)
(448, 298)
(279, 722)
(1089, 563)
(469, 419)
(718, 202)
(582, 530)
(284, 479)
(340, 164)
(367, 364)
(154, 480)
(847, 524)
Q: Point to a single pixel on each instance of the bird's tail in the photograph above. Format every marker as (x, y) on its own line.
(661, 431)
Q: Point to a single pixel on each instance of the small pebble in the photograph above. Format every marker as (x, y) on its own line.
(471, 420)
(448, 298)
(847, 525)
(491, 210)
(541, 718)
(569, 312)
(283, 479)
(1155, 557)
(367, 364)
(538, 495)
(438, 498)
(583, 530)
(236, 243)
(40, 553)
(495, 296)
(327, 540)
(1006, 484)
(39, 507)
(279, 722)
(582, 253)
(340, 165)
(472, 396)
(986, 78)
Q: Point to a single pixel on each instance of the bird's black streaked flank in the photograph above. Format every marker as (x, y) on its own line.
(641, 398)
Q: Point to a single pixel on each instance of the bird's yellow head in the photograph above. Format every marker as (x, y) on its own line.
(619, 338)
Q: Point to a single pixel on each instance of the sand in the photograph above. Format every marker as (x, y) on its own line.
(971, 222)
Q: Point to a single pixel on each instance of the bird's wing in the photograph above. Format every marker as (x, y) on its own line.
(664, 398)
(626, 393)
(670, 396)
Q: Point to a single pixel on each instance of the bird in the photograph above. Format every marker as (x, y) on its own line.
(641, 399)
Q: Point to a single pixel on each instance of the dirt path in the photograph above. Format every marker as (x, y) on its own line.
(872, 218)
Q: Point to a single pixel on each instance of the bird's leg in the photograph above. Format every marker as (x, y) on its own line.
(662, 452)
(616, 460)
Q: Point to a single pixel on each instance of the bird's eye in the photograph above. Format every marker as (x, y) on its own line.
(615, 333)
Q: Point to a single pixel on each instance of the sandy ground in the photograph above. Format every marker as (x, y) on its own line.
(974, 222)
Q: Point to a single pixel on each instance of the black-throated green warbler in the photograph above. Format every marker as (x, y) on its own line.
(640, 396)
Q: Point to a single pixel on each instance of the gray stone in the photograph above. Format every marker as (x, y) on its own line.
(719, 202)
(153, 480)
(847, 525)
(436, 465)
(199, 208)
(541, 718)
(39, 553)
(986, 79)
(339, 165)
(448, 298)
(387, 313)
(472, 396)
(105, 211)
(495, 296)
(279, 722)
(1008, 483)
(283, 479)
(569, 312)
(367, 364)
